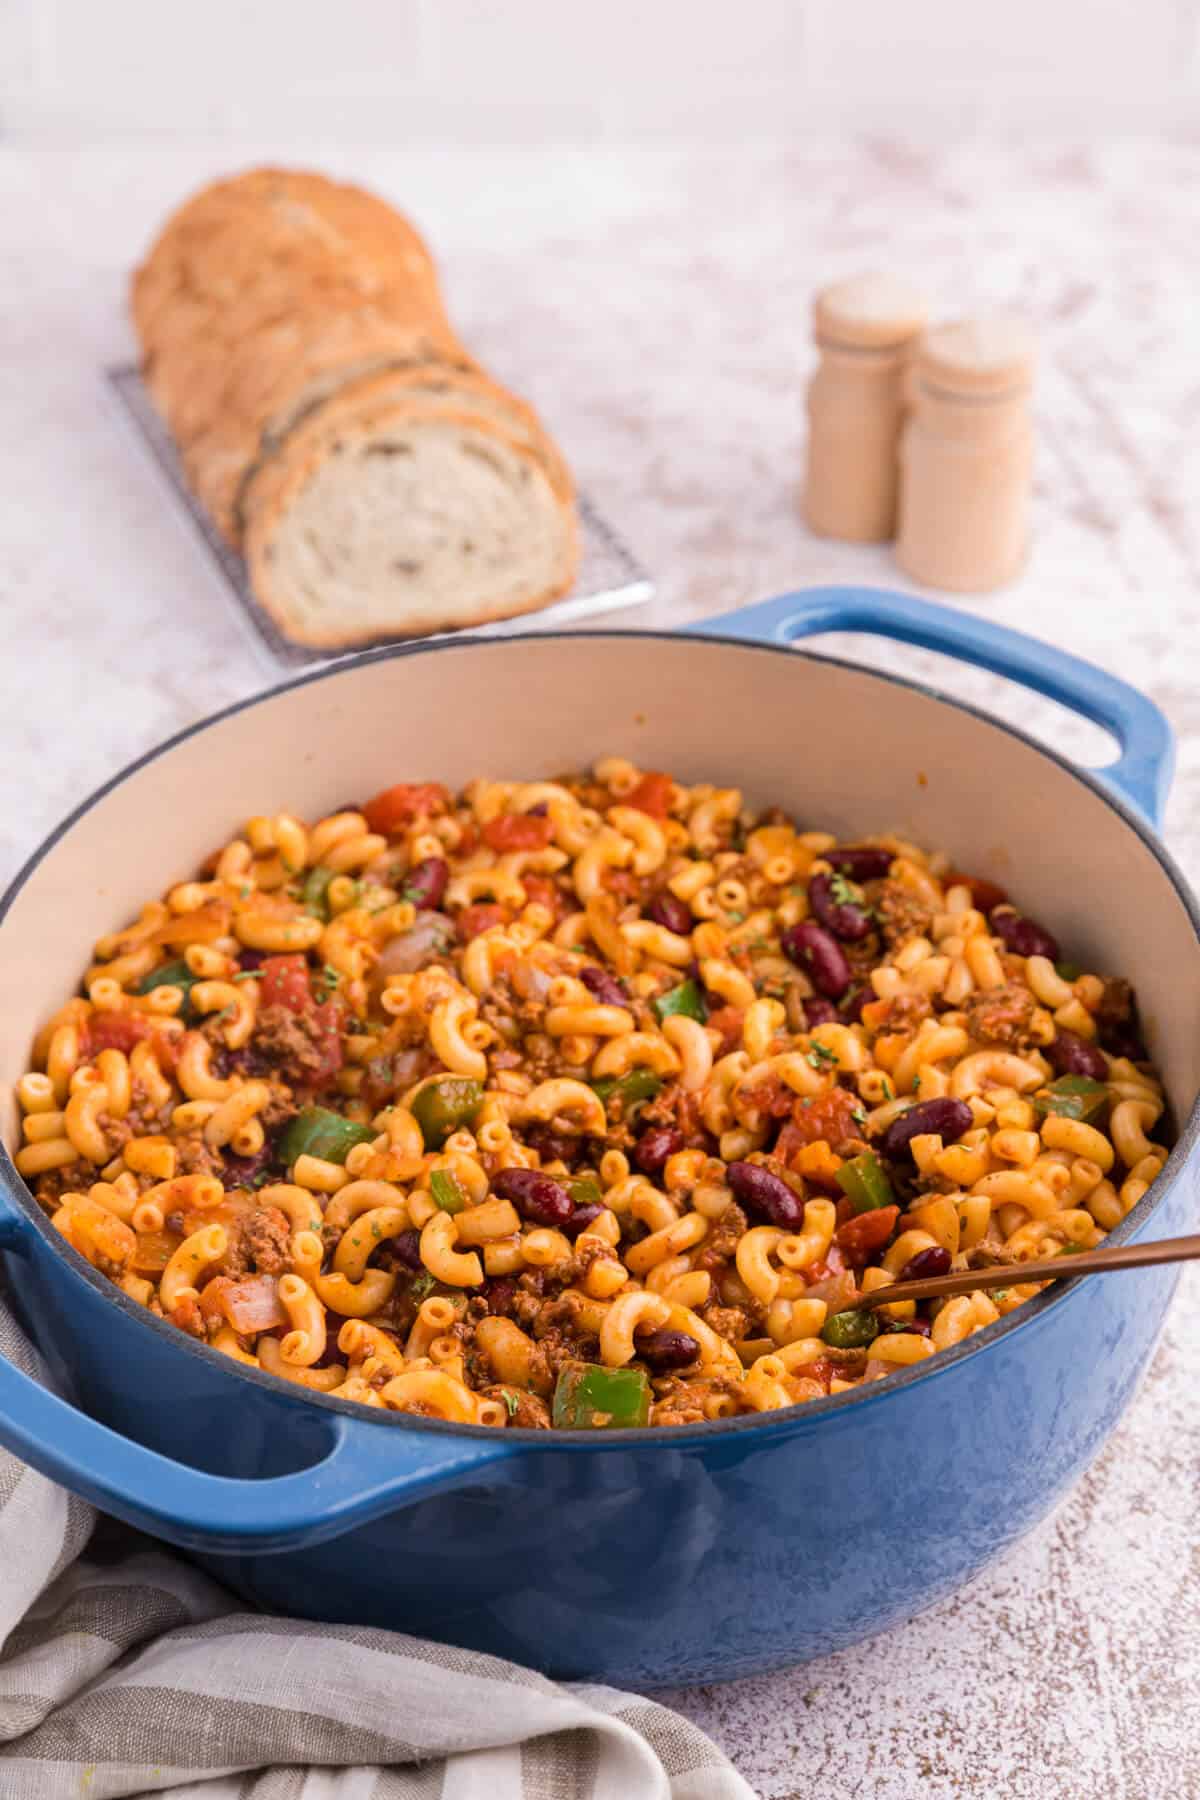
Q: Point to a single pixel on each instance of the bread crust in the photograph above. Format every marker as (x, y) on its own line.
(279, 306)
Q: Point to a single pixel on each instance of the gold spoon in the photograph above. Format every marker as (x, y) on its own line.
(1053, 1268)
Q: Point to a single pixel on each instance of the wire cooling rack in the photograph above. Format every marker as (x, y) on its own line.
(609, 575)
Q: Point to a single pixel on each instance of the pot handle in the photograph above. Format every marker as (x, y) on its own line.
(370, 1467)
(1142, 772)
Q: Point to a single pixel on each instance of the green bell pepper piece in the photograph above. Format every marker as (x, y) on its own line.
(444, 1106)
(1072, 1097)
(590, 1397)
(684, 1001)
(624, 1095)
(863, 1180)
(584, 1190)
(446, 1192)
(850, 1330)
(315, 1131)
(172, 974)
(1067, 971)
(314, 894)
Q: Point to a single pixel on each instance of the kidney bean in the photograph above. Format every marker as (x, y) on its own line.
(934, 1261)
(850, 1007)
(425, 883)
(947, 1116)
(552, 1146)
(922, 1327)
(820, 956)
(665, 1349)
(407, 1246)
(866, 863)
(1124, 1040)
(603, 986)
(1024, 937)
(240, 1171)
(538, 1198)
(1070, 1054)
(580, 1219)
(818, 1011)
(251, 959)
(655, 1146)
(671, 913)
(763, 1192)
(499, 1295)
(845, 918)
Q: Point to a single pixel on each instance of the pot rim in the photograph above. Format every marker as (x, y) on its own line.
(1024, 1317)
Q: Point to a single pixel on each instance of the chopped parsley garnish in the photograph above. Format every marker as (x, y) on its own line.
(1000, 1293)
(246, 975)
(512, 1403)
(421, 1286)
(889, 1092)
(858, 1115)
(843, 892)
(820, 1056)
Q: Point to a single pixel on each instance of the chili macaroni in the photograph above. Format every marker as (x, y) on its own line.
(589, 1102)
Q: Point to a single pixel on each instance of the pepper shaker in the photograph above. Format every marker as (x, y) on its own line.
(865, 330)
(966, 456)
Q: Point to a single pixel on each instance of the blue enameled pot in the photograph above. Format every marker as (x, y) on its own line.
(643, 1558)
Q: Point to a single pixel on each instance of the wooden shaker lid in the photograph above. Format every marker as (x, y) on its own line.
(978, 356)
(872, 311)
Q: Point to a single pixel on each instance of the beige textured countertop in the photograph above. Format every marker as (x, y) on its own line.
(655, 305)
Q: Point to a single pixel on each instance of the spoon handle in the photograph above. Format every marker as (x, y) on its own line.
(1053, 1268)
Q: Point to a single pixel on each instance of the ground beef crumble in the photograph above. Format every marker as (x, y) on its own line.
(287, 1039)
(902, 914)
(1003, 1015)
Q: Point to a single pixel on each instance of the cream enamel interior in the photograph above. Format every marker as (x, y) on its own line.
(842, 748)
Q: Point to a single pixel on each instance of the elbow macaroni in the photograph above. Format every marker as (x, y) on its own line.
(458, 1094)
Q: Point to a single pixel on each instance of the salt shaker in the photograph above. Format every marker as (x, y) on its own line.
(865, 330)
(967, 456)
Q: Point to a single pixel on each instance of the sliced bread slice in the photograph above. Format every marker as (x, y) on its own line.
(408, 520)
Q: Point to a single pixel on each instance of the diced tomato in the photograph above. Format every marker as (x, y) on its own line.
(117, 1031)
(984, 894)
(518, 831)
(186, 1315)
(168, 1046)
(283, 981)
(859, 1238)
(728, 1021)
(652, 794)
(542, 891)
(821, 1370)
(328, 1020)
(829, 1116)
(481, 917)
(770, 1096)
(621, 882)
(397, 807)
(811, 1273)
(249, 1303)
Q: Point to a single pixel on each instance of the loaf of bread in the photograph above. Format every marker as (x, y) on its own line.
(377, 480)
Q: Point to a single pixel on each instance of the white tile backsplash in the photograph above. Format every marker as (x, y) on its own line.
(530, 70)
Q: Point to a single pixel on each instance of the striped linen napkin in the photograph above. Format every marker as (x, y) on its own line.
(126, 1671)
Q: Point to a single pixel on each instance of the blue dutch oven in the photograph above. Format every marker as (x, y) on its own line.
(656, 1557)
